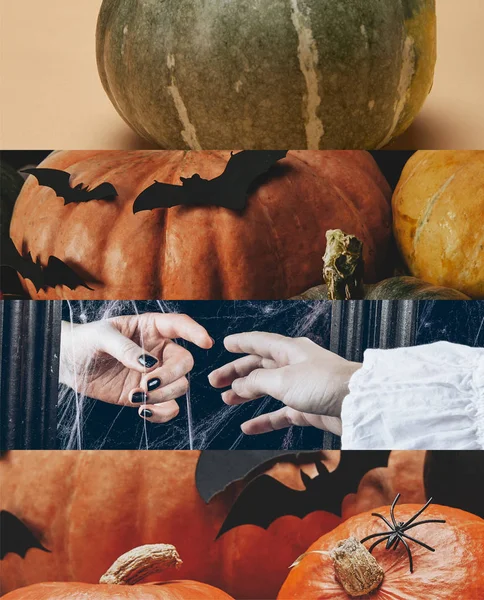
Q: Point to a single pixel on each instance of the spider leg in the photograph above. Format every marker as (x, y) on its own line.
(418, 542)
(383, 519)
(417, 514)
(374, 535)
(422, 523)
(392, 510)
(374, 545)
(410, 559)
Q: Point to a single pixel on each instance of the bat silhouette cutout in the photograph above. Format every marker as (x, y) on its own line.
(59, 181)
(55, 273)
(228, 190)
(16, 537)
(217, 469)
(266, 499)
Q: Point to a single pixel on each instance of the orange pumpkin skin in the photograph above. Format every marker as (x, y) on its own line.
(404, 475)
(116, 500)
(438, 209)
(453, 571)
(170, 590)
(272, 251)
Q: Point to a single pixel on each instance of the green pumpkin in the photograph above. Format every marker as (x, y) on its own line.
(394, 288)
(343, 274)
(260, 74)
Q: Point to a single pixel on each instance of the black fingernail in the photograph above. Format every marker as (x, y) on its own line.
(153, 384)
(146, 413)
(138, 397)
(147, 361)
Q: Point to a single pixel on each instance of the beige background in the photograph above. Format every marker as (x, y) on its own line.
(51, 96)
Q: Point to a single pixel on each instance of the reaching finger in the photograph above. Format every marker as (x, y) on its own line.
(182, 326)
(232, 399)
(177, 362)
(159, 413)
(260, 382)
(286, 417)
(173, 390)
(273, 421)
(241, 367)
(127, 352)
(268, 345)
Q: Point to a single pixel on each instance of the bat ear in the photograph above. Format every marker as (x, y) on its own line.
(305, 479)
(321, 468)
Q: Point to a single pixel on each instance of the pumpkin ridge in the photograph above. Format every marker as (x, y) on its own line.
(404, 85)
(308, 60)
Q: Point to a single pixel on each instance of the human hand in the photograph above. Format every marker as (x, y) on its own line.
(311, 381)
(132, 361)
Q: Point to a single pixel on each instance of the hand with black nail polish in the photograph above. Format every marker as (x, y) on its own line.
(132, 360)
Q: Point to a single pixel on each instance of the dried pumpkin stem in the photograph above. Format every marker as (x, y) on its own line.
(135, 565)
(356, 569)
(343, 266)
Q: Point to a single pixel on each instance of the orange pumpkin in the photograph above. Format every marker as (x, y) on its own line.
(404, 475)
(272, 251)
(453, 571)
(90, 507)
(438, 210)
(122, 579)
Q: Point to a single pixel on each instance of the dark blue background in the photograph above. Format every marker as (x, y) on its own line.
(109, 426)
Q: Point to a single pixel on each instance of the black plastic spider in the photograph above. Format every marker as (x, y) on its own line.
(398, 529)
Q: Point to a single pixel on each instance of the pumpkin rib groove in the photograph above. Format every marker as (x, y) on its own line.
(308, 56)
(277, 249)
(424, 219)
(72, 487)
(404, 85)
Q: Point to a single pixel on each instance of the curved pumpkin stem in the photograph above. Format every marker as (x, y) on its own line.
(135, 565)
(343, 266)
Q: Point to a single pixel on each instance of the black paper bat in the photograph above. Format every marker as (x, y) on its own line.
(265, 499)
(59, 181)
(16, 537)
(229, 190)
(217, 469)
(55, 273)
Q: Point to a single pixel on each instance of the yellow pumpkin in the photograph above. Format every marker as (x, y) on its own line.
(438, 213)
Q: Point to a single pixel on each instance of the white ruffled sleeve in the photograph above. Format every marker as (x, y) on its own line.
(423, 397)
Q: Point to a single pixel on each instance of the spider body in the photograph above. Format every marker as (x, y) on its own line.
(398, 531)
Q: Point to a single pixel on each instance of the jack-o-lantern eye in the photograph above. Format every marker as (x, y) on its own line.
(16, 536)
(59, 181)
(228, 190)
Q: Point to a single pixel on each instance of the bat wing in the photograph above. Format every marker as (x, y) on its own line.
(26, 267)
(217, 469)
(263, 501)
(159, 195)
(16, 537)
(57, 180)
(58, 273)
(55, 273)
(105, 191)
(243, 169)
